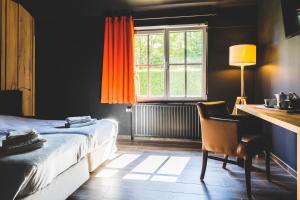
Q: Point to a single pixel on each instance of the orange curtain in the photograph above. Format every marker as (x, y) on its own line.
(118, 61)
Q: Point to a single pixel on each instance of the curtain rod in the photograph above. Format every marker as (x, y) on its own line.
(175, 17)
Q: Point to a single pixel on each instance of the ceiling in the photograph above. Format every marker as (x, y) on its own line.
(137, 4)
(98, 7)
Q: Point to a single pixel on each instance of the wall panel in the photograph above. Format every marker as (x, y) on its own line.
(11, 72)
(25, 62)
(17, 52)
(3, 42)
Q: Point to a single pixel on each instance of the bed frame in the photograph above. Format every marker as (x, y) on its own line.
(11, 102)
(70, 180)
(64, 184)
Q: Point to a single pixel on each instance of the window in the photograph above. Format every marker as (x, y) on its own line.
(170, 63)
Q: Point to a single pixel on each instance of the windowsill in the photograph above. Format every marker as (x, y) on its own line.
(170, 101)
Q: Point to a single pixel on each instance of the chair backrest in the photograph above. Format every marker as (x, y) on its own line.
(216, 109)
(217, 136)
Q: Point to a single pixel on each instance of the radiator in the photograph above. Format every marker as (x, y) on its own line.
(166, 120)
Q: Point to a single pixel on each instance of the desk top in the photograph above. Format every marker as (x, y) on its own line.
(290, 121)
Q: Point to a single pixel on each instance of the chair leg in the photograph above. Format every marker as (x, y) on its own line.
(204, 163)
(248, 164)
(240, 162)
(225, 161)
(267, 157)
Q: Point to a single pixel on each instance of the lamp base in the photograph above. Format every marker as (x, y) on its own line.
(239, 101)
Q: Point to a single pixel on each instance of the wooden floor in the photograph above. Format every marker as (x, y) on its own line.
(170, 170)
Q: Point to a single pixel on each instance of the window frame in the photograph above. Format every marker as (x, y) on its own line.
(165, 30)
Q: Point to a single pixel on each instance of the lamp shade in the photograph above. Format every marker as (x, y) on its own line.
(242, 55)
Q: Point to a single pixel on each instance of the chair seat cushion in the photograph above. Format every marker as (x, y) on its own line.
(251, 145)
(251, 138)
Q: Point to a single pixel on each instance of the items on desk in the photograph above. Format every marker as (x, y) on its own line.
(290, 101)
(295, 100)
(282, 101)
(270, 103)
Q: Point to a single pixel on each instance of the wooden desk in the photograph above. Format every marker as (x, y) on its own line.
(280, 118)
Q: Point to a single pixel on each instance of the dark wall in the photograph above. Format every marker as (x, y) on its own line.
(279, 70)
(69, 59)
(230, 26)
(68, 70)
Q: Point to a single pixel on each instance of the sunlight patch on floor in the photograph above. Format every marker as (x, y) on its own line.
(113, 156)
(122, 161)
(156, 168)
(174, 166)
(160, 178)
(150, 164)
(132, 176)
(106, 173)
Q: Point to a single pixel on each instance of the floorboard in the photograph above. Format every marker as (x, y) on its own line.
(163, 170)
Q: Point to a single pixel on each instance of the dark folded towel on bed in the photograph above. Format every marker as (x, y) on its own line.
(21, 141)
(77, 125)
(23, 144)
(19, 137)
(78, 120)
(22, 149)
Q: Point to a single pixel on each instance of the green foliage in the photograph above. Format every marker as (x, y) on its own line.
(141, 50)
(194, 46)
(176, 48)
(143, 80)
(177, 81)
(194, 83)
(157, 81)
(156, 49)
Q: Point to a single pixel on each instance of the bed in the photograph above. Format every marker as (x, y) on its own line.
(56, 170)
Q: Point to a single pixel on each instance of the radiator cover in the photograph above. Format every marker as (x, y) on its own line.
(166, 120)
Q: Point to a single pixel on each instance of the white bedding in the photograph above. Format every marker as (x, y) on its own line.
(26, 173)
(98, 133)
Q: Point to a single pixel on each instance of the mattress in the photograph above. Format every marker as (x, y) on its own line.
(26, 173)
(98, 133)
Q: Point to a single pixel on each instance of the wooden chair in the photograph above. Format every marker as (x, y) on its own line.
(229, 135)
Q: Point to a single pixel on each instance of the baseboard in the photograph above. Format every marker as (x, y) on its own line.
(123, 137)
(139, 138)
(283, 165)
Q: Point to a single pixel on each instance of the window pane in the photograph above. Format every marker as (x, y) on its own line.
(156, 49)
(140, 49)
(142, 81)
(194, 46)
(176, 47)
(156, 81)
(177, 81)
(194, 80)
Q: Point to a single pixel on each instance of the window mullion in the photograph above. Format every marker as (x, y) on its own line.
(148, 66)
(185, 66)
(204, 63)
(166, 47)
